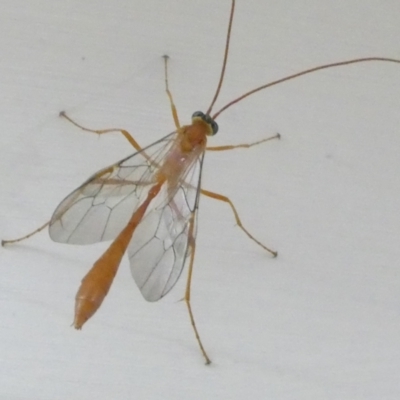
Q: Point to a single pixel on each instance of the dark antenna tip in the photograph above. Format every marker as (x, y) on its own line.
(221, 78)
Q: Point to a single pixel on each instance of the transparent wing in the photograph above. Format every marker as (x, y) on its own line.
(100, 208)
(160, 246)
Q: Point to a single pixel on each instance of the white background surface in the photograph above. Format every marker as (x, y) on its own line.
(322, 320)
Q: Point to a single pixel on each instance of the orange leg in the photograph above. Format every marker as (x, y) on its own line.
(225, 199)
(124, 132)
(4, 242)
(171, 101)
(242, 146)
(192, 244)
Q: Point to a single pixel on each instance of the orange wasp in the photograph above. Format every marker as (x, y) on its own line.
(147, 204)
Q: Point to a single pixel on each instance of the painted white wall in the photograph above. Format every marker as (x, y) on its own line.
(319, 322)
